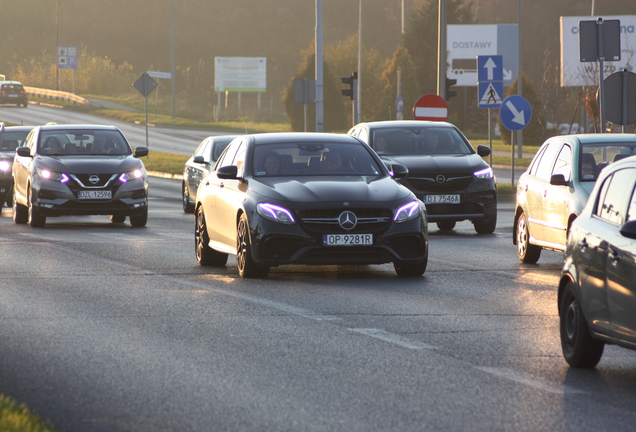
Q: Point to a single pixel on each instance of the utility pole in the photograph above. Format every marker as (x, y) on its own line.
(319, 66)
(441, 50)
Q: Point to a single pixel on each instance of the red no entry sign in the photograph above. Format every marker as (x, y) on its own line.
(430, 107)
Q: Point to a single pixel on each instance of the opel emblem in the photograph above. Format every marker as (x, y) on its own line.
(440, 179)
(347, 220)
(94, 179)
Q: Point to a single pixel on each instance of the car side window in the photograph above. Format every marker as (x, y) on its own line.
(535, 162)
(239, 160)
(544, 168)
(563, 164)
(227, 157)
(631, 211)
(202, 149)
(612, 203)
(363, 134)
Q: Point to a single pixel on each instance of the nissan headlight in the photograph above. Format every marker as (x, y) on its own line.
(53, 175)
(131, 175)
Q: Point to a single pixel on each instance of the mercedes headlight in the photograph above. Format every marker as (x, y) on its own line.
(408, 211)
(275, 213)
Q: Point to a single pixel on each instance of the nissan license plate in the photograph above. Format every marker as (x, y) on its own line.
(94, 195)
(441, 199)
(347, 239)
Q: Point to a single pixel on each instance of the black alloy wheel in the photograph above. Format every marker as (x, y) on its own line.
(579, 348)
(206, 256)
(247, 268)
(188, 206)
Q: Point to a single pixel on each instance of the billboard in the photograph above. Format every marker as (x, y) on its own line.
(464, 42)
(576, 73)
(240, 74)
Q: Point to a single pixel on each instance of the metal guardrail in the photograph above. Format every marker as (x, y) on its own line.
(56, 95)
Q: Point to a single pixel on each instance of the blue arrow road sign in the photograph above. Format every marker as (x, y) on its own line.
(515, 113)
(490, 94)
(489, 68)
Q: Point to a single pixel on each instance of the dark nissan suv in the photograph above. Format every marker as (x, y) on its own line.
(79, 170)
(445, 171)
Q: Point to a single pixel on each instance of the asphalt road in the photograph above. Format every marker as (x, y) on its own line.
(106, 327)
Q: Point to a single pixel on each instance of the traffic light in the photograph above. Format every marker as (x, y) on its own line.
(351, 81)
(450, 93)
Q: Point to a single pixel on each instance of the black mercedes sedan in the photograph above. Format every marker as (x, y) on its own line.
(79, 170)
(444, 170)
(307, 198)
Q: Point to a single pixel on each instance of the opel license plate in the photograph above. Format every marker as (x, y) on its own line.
(94, 194)
(441, 199)
(347, 239)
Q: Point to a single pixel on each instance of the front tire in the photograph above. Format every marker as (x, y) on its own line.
(486, 227)
(140, 219)
(247, 268)
(527, 253)
(580, 349)
(20, 213)
(206, 256)
(446, 225)
(411, 269)
(188, 206)
(36, 219)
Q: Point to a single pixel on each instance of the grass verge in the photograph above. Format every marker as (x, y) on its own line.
(15, 417)
(165, 162)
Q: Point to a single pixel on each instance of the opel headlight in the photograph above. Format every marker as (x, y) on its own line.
(407, 212)
(486, 173)
(275, 213)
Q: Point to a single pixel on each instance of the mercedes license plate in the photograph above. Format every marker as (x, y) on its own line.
(94, 195)
(347, 239)
(441, 199)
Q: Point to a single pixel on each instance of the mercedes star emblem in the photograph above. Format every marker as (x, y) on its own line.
(347, 220)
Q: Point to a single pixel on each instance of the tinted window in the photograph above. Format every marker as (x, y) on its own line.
(314, 158)
(83, 142)
(419, 141)
(600, 155)
(612, 202)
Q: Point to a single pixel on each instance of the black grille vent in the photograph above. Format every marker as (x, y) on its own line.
(452, 183)
(325, 221)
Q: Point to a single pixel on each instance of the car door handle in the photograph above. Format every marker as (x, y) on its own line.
(545, 193)
(583, 243)
(221, 185)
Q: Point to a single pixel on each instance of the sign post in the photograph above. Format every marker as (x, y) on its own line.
(145, 85)
(490, 87)
(515, 114)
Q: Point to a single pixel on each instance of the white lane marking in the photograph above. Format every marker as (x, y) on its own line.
(392, 338)
(531, 381)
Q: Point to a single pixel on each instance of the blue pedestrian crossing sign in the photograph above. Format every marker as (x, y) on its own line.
(515, 113)
(490, 94)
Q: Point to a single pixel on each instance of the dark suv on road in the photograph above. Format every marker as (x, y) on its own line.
(11, 137)
(79, 170)
(445, 171)
(12, 92)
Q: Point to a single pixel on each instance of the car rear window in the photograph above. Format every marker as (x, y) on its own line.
(594, 158)
(9, 141)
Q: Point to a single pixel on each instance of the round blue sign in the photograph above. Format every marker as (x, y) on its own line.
(515, 113)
